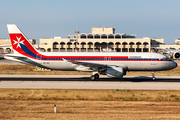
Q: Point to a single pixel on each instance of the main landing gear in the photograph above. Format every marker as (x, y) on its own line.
(153, 76)
(95, 75)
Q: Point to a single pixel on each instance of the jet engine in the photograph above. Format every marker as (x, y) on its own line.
(176, 55)
(115, 71)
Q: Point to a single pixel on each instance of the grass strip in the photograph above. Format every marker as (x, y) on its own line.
(90, 95)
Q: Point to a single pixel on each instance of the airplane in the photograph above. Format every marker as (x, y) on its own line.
(112, 64)
(174, 52)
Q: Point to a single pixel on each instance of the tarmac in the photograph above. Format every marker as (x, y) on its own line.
(84, 82)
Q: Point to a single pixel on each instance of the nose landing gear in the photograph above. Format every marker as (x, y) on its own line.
(153, 76)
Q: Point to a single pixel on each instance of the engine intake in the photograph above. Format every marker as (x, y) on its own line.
(176, 55)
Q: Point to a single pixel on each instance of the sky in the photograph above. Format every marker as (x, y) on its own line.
(48, 18)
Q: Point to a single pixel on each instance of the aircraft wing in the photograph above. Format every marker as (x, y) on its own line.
(161, 48)
(169, 50)
(88, 64)
(94, 66)
(174, 53)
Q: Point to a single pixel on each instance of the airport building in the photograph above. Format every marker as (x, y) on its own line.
(6, 47)
(99, 40)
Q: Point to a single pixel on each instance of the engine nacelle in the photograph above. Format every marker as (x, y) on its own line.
(116, 72)
(176, 55)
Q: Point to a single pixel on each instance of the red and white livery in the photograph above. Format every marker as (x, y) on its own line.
(112, 64)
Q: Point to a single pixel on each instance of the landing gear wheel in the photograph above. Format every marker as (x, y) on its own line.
(96, 76)
(153, 78)
(93, 77)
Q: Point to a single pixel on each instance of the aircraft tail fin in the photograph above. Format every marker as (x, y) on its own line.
(20, 44)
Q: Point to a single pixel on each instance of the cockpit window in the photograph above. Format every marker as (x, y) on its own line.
(166, 59)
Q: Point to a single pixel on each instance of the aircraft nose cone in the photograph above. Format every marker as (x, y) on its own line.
(175, 64)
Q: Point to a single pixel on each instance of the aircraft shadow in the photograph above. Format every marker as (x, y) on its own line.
(84, 79)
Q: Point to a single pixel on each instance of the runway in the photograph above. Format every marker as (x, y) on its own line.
(83, 82)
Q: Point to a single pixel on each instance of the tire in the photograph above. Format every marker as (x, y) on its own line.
(93, 78)
(96, 76)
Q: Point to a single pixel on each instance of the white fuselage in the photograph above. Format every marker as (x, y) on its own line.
(129, 61)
